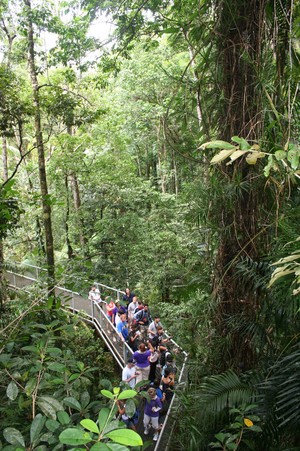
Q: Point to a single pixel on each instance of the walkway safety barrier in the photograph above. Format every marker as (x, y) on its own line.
(28, 277)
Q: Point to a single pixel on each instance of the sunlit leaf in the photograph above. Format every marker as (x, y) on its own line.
(12, 391)
(235, 155)
(125, 437)
(90, 425)
(248, 422)
(218, 144)
(127, 394)
(107, 394)
(222, 156)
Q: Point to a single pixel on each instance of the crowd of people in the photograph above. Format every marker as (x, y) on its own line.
(151, 367)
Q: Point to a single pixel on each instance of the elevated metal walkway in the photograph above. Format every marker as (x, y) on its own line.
(25, 277)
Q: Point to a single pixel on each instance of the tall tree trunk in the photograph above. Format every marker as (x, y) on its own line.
(161, 154)
(10, 34)
(39, 231)
(241, 29)
(41, 153)
(4, 158)
(77, 202)
(69, 246)
(3, 293)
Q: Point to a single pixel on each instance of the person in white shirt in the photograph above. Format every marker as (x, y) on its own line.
(129, 373)
(131, 309)
(94, 294)
(152, 329)
(97, 295)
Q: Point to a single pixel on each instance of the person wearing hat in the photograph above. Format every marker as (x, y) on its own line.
(151, 413)
(129, 373)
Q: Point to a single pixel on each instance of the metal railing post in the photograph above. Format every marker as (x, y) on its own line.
(73, 302)
(92, 310)
(124, 353)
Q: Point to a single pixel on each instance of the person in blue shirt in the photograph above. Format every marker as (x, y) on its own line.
(122, 327)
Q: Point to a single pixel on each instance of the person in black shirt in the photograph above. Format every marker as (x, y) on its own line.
(128, 296)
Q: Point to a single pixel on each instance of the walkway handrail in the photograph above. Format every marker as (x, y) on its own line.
(90, 310)
(94, 312)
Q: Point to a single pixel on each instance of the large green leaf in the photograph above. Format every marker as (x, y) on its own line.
(127, 394)
(125, 437)
(72, 402)
(63, 417)
(31, 348)
(90, 425)
(107, 394)
(52, 401)
(244, 145)
(54, 351)
(49, 406)
(99, 446)
(13, 436)
(47, 409)
(112, 426)
(235, 155)
(130, 408)
(52, 425)
(12, 390)
(36, 427)
(117, 447)
(85, 399)
(222, 155)
(56, 366)
(102, 418)
(73, 436)
(218, 144)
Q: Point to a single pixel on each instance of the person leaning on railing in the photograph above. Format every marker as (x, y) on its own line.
(122, 328)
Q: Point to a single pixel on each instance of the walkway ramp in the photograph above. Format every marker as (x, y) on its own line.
(26, 277)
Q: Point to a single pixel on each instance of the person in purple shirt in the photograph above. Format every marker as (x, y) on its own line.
(151, 413)
(142, 363)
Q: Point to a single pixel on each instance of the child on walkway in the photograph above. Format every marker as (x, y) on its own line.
(151, 413)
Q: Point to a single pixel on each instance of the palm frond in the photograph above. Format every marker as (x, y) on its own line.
(281, 391)
(223, 391)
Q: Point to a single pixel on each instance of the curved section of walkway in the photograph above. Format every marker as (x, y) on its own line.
(22, 277)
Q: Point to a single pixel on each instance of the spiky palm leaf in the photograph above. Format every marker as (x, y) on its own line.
(284, 386)
(223, 391)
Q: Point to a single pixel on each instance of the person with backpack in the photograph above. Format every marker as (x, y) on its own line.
(142, 317)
